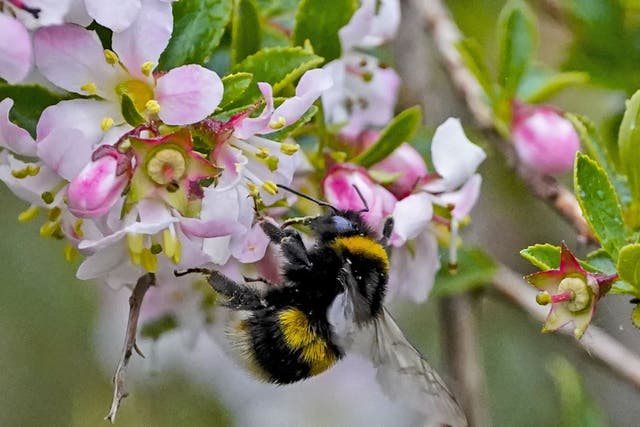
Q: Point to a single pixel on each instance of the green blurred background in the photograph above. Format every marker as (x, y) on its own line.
(55, 363)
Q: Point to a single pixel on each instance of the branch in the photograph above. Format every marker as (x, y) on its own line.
(596, 342)
(135, 302)
(464, 358)
(446, 36)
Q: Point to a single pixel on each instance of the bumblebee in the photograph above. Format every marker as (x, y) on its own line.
(331, 301)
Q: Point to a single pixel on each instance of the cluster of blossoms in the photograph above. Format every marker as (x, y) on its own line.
(142, 171)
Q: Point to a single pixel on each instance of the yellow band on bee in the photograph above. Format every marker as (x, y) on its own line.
(363, 246)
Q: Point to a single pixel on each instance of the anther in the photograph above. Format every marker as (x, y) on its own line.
(90, 88)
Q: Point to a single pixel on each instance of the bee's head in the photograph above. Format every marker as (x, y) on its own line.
(340, 223)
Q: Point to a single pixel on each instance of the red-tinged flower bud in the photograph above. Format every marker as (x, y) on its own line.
(403, 167)
(545, 141)
(99, 184)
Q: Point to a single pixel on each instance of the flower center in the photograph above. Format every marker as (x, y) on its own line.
(579, 290)
(166, 165)
(139, 92)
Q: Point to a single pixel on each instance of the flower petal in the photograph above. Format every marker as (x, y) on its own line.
(462, 200)
(455, 158)
(546, 280)
(12, 136)
(63, 151)
(249, 126)
(16, 53)
(411, 216)
(70, 57)
(211, 228)
(188, 94)
(146, 38)
(368, 28)
(568, 263)
(115, 16)
(251, 246)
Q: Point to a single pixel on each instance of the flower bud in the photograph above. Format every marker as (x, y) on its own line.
(404, 165)
(99, 184)
(544, 140)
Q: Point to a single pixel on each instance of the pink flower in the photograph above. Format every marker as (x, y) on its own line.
(405, 166)
(544, 140)
(100, 183)
(371, 25)
(364, 94)
(571, 291)
(338, 187)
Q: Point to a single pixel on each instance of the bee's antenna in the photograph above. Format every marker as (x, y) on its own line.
(364, 201)
(305, 196)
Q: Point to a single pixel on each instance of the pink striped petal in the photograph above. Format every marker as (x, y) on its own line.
(16, 53)
(146, 38)
(188, 94)
(70, 56)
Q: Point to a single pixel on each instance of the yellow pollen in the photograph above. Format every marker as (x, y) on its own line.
(147, 68)
(278, 124)
(135, 242)
(106, 123)
(70, 253)
(262, 153)
(148, 261)
(253, 189)
(54, 214)
(29, 214)
(166, 166)
(20, 173)
(49, 228)
(177, 256)
(33, 170)
(289, 149)
(90, 88)
(111, 57)
(272, 163)
(169, 243)
(270, 187)
(153, 106)
(77, 228)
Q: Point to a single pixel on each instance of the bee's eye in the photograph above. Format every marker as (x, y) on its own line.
(342, 224)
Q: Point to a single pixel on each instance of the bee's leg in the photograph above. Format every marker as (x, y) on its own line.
(239, 296)
(386, 231)
(290, 243)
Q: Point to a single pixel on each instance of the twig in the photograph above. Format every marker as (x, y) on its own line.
(446, 36)
(135, 302)
(596, 342)
(464, 358)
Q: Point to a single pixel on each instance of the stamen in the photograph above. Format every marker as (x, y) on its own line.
(29, 170)
(136, 245)
(148, 261)
(54, 214)
(453, 248)
(169, 242)
(29, 214)
(278, 124)
(272, 163)
(262, 153)
(71, 254)
(147, 68)
(49, 228)
(111, 57)
(270, 187)
(289, 149)
(77, 227)
(90, 88)
(106, 123)
(153, 106)
(33, 170)
(156, 248)
(47, 197)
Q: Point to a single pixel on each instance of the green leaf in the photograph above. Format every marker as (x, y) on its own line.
(279, 66)
(545, 257)
(623, 288)
(598, 150)
(628, 265)
(246, 33)
(319, 21)
(629, 145)
(599, 204)
(130, 113)
(517, 36)
(554, 84)
(29, 102)
(234, 86)
(400, 129)
(198, 26)
(470, 53)
(475, 270)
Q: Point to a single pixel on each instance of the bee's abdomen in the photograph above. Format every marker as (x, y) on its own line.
(288, 348)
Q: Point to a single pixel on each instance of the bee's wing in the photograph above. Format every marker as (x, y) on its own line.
(405, 376)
